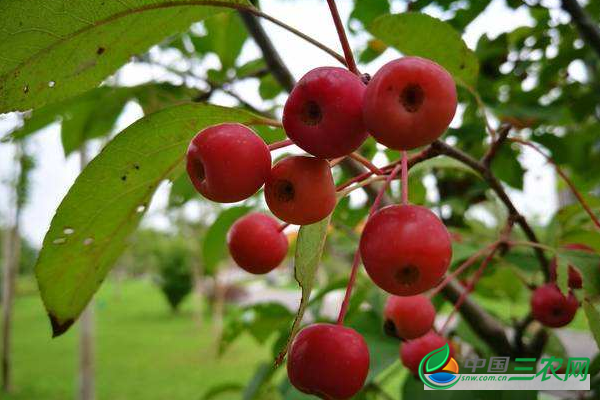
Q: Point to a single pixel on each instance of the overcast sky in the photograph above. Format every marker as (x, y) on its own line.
(55, 174)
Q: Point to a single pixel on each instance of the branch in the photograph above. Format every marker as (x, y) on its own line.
(589, 31)
(495, 146)
(496, 186)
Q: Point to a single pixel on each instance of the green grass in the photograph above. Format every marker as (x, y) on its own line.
(143, 350)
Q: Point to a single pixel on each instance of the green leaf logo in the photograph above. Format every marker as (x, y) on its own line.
(438, 359)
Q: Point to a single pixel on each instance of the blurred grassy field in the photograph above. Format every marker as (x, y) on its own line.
(143, 350)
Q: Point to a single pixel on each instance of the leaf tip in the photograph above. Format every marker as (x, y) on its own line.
(58, 327)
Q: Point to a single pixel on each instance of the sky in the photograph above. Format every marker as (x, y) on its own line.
(54, 174)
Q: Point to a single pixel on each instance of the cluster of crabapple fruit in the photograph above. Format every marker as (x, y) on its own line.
(548, 305)
(405, 249)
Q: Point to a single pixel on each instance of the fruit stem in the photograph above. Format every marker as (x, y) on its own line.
(404, 178)
(339, 26)
(364, 161)
(280, 144)
(356, 261)
(351, 281)
(346, 191)
(560, 172)
(336, 161)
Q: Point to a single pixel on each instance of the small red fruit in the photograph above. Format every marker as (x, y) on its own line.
(406, 249)
(410, 316)
(256, 243)
(409, 103)
(323, 113)
(228, 162)
(575, 280)
(300, 190)
(413, 351)
(329, 361)
(550, 307)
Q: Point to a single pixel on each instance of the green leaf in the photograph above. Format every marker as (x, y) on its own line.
(366, 11)
(507, 167)
(214, 247)
(53, 49)
(93, 113)
(593, 318)
(416, 34)
(108, 200)
(438, 360)
(309, 248)
(269, 88)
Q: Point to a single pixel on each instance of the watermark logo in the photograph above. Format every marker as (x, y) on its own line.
(438, 370)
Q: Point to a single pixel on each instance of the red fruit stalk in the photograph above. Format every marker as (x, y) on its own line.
(356, 260)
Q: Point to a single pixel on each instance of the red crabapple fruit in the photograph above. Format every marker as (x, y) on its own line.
(406, 249)
(575, 280)
(409, 316)
(228, 162)
(409, 103)
(550, 307)
(300, 190)
(323, 114)
(256, 243)
(413, 351)
(329, 361)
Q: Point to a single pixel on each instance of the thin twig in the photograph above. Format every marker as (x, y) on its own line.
(565, 178)
(339, 26)
(280, 144)
(367, 163)
(296, 32)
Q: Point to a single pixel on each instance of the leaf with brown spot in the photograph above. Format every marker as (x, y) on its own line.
(102, 210)
(58, 41)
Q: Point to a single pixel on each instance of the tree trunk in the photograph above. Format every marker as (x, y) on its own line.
(11, 266)
(12, 256)
(86, 389)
